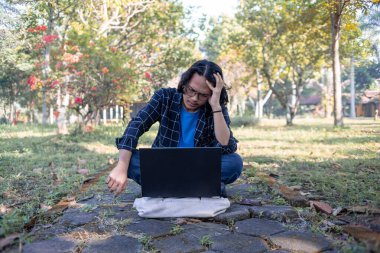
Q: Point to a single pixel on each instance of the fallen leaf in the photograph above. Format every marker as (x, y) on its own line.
(180, 221)
(270, 180)
(87, 180)
(338, 210)
(322, 207)
(7, 241)
(44, 207)
(111, 161)
(295, 187)
(4, 209)
(83, 171)
(274, 175)
(363, 209)
(362, 233)
(336, 166)
(183, 221)
(293, 197)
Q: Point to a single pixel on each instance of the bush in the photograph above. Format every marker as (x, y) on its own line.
(3, 121)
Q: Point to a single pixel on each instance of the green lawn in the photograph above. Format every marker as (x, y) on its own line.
(39, 167)
(342, 164)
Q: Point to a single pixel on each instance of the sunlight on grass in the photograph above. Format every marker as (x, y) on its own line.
(341, 164)
(99, 148)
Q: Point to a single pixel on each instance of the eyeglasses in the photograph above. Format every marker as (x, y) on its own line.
(191, 93)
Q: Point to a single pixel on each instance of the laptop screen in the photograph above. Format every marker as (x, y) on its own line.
(180, 172)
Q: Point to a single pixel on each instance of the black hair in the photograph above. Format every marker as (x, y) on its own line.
(207, 69)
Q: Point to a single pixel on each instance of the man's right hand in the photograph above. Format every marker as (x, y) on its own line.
(117, 179)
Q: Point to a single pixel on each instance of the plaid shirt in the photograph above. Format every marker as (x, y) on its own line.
(165, 107)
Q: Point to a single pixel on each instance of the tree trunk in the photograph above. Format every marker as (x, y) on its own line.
(46, 69)
(290, 114)
(258, 112)
(11, 113)
(97, 117)
(327, 81)
(337, 86)
(352, 86)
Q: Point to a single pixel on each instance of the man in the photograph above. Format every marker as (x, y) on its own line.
(193, 115)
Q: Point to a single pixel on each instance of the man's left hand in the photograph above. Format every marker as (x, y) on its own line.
(216, 91)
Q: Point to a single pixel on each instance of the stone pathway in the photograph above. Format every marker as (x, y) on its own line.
(101, 223)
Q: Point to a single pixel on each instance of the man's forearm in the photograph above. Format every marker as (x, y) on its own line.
(222, 132)
(124, 159)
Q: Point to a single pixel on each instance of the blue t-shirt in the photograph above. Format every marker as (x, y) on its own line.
(188, 124)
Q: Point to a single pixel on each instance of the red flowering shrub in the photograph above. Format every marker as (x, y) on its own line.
(50, 38)
(78, 100)
(147, 75)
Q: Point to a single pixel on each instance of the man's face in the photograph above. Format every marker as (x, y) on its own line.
(196, 93)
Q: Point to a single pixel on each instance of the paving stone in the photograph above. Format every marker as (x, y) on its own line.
(238, 243)
(132, 192)
(106, 198)
(77, 218)
(118, 243)
(199, 230)
(281, 213)
(56, 245)
(259, 227)
(239, 190)
(128, 212)
(234, 212)
(189, 240)
(300, 241)
(43, 232)
(178, 243)
(151, 227)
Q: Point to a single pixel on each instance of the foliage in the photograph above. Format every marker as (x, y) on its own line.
(365, 75)
(288, 51)
(206, 241)
(15, 63)
(100, 53)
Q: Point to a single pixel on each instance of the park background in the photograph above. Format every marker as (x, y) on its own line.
(304, 87)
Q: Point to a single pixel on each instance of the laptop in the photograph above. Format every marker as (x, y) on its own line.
(180, 172)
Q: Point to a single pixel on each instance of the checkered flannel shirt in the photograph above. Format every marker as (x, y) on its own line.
(165, 107)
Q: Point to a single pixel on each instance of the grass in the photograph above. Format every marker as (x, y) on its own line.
(39, 167)
(341, 164)
(206, 241)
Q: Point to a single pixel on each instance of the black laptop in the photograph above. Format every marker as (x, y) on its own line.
(180, 172)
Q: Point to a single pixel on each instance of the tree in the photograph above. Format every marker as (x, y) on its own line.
(337, 9)
(288, 50)
(101, 53)
(15, 62)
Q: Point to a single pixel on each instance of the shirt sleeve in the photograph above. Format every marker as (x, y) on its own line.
(231, 147)
(144, 119)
